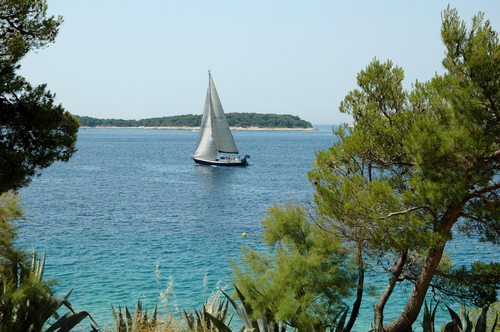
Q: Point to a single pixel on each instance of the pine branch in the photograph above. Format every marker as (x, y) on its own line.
(392, 214)
(484, 190)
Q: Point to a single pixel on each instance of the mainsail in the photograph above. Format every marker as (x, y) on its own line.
(206, 148)
(215, 135)
(223, 137)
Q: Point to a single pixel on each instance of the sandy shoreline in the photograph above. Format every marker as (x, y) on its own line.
(197, 128)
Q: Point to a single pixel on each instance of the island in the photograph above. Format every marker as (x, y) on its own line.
(248, 121)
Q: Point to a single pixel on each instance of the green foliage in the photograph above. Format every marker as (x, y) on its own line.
(138, 322)
(34, 130)
(268, 324)
(342, 316)
(27, 302)
(465, 324)
(266, 120)
(212, 318)
(418, 162)
(9, 210)
(303, 279)
(70, 320)
(475, 285)
(429, 317)
(189, 120)
(244, 311)
(24, 26)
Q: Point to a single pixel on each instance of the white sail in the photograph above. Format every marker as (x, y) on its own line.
(223, 137)
(206, 148)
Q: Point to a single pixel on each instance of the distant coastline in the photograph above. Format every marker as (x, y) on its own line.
(197, 128)
(237, 121)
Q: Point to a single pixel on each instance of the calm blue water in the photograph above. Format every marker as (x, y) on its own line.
(131, 209)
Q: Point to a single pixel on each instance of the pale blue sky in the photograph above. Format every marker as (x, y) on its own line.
(139, 59)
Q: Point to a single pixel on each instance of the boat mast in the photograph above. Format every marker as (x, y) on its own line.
(210, 89)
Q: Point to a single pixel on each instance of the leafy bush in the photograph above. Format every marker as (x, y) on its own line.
(303, 279)
(212, 318)
(464, 324)
(459, 323)
(139, 321)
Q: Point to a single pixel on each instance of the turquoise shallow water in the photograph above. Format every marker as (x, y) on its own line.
(131, 209)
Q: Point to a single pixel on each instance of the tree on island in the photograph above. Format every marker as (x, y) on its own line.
(34, 131)
(417, 167)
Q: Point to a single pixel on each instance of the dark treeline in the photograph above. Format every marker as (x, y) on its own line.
(190, 120)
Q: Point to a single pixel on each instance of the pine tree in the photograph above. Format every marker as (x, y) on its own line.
(418, 163)
(34, 131)
(304, 277)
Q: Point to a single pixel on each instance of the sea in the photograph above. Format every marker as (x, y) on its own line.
(131, 217)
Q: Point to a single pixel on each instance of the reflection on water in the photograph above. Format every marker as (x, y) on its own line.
(217, 179)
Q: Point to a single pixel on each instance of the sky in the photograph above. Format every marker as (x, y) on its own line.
(140, 59)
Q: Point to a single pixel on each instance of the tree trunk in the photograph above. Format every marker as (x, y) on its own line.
(410, 312)
(380, 305)
(359, 292)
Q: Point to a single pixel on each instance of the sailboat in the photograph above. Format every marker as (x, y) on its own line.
(216, 145)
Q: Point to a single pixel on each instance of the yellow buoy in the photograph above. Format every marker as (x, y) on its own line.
(244, 234)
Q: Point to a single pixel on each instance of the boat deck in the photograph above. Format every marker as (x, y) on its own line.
(223, 161)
